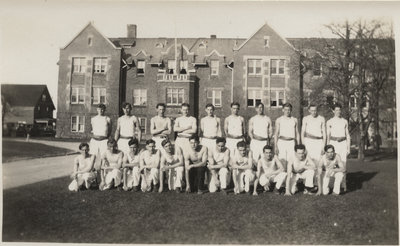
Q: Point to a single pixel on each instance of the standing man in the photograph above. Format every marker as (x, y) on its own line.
(149, 162)
(83, 169)
(260, 131)
(160, 126)
(172, 164)
(111, 163)
(331, 166)
(101, 130)
(126, 126)
(218, 161)
(195, 166)
(338, 135)
(300, 166)
(286, 135)
(210, 128)
(313, 133)
(242, 165)
(185, 126)
(234, 128)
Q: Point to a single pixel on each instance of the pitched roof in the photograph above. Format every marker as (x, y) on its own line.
(23, 95)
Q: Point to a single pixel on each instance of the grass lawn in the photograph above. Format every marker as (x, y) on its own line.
(367, 214)
(14, 150)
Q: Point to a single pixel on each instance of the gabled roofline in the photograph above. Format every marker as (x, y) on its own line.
(91, 24)
(143, 52)
(214, 51)
(284, 39)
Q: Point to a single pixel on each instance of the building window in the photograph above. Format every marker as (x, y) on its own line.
(140, 97)
(317, 68)
(141, 67)
(254, 96)
(78, 65)
(77, 95)
(214, 67)
(77, 124)
(143, 123)
(183, 67)
(100, 65)
(254, 67)
(171, 66)
(353, 102)
(215, 97)
(175, 96)
(99, 95)
(89, 41)
(277, 66)
(277, 98)
(266, 41)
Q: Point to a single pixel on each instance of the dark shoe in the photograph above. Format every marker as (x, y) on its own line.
(135, 188)
(178, 190)
(155, 188)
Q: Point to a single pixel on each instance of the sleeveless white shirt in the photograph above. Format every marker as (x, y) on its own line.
(337, 127)
(235, 125)
(210, 126)
(218, 157)
(314, 125)
(83, 164)
(134, 159)
(127, 125)
(260, 125)
(100, 125)
(287, 127)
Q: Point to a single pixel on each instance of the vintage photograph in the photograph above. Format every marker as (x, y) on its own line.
(211, 122)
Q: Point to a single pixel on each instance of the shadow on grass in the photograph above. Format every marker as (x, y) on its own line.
(355, 180)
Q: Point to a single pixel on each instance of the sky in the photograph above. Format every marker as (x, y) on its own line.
(32, 32)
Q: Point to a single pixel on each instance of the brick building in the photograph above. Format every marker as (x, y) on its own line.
(145, 71)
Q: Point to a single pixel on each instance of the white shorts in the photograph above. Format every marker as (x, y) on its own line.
(286, 150)
(96, 146)
(123, 145)
(110, 176)
(314, 148)
(209, 143)
(340, 149)
(149, 177)
(182, 143)
(132, 177)
(256, 146)
(83, 178)
(231, 144)
(158, 141)
(278, 179)
(220, 181)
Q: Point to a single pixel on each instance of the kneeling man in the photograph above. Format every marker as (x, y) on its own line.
(331, 166)
(83, 169)
(172, 164)
(130, 164)
(242, 165)
(302, 167)
(269, 170)
(111, 163)
(149, 162)
(218, 161)
(195, 162)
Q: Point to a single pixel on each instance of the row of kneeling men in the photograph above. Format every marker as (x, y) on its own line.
(152, 169)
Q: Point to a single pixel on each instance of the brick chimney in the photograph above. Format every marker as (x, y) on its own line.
(131, 31)
(213, 36)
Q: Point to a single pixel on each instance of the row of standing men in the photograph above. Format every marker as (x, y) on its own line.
(315, 134)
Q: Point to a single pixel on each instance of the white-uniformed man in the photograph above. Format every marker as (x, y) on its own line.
(260, 132)
(338, 135)
(130, 165)
(160, 126)
(331, 166)
(172, 164)
(269, 170)
(126, 126)
(234, 128)
(313, 133)
(149, 162)
(300, 166)
(83, 169)
(111, 163)
(210, 128)
(286, 135)
(242, 166)
(185, 126)
(218, 161)
(101, 130)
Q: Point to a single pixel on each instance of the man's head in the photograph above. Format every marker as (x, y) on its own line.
(337, 109)
(220, 144)
(84, 147)
(194, 141)
(268, 153)
(101, 108)
(260, 108)
(313, 110)
(150, 145)
(241, 147)
(329, 151)
(210, 109)
(185, 109)
(160, 109)
(111, 144)
(126, 107)
(287, 109)
(235, 106)
(300, 150)
(166, 144)
(133, 145)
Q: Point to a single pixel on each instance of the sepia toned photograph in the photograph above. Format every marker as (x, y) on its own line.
(210, 122)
